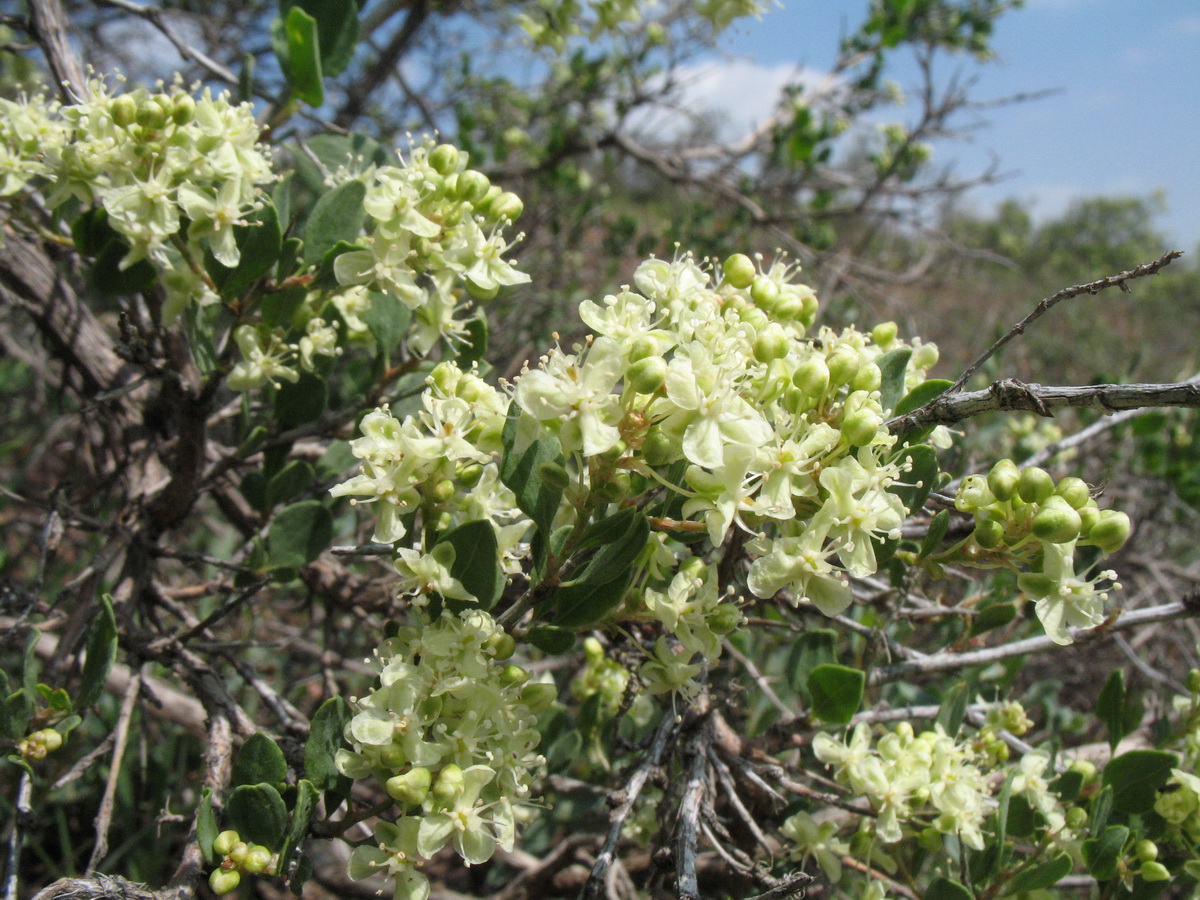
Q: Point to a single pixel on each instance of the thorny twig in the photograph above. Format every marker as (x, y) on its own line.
(104, 816)
(686, 828)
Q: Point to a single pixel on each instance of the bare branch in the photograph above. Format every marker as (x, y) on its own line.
(121, 740)
(50, 31)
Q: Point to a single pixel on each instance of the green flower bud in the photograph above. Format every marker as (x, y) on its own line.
(593, 651)
(1074, 491)
(810, 305)
(925, 356)
(51, 739)
(224, 882)
(410, 788)
(843, 364)
(1111, 531)
(393, 757)
(449, 785)
(443, 159)
(643, 346)
(812, 376)
(469, 475)
(659, 449)
(443, 491)
(1056, 523)
(884, 333)
(183, 109)
(507, 206)
(1076, 817)
(771, 343)
(1089, 516)
(989, 533)
(1035, 485)
(224, 842)
(1002, 480)
(788, 308)
(646, 376)
(539, 696)
(930, 840)
(973, 494)
(1084, 767)
(764, 292)
(258, 860)
(860, 428)
(1154, 871)
(724, 619)
(868, 378)
(1146, 851)
(739, 271)
(123, 110)
(482, 294)
(151, 115)
(472, 185)
(1193, 681)
(512, 675)
(238, 852)
(616, 488)
(554, 476)
(501, 644)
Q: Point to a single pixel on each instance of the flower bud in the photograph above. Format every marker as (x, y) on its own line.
(238, 852)
(393, 757)
(224, 882)
(1076, 817)
(646, 376)
(843, 363)
(183, 109)
(1089, 516)
(1154, 871)
(554, 476)
(507, 206)
(472, 185)
(860, 428)
(1074, 491)
(1110, 531)
(539, 696)
(1002, 479)
(513, 675)
(123, 110)
(501, 644)
(930, 840)
(469, 475)
(973, 493)
(764, 292)
(482, 294)
(739, 271)
(1193, 681)
(724, 619)
(1146, 851)
(443, 491)
(989, 534)
(884, 333)
(1035, 485)
(1056, 523)
(925, 356)
(257, 860)
(443, 158)
(224, 842)
(812, 376)
(151, 115)
(868, 378)
(615, 488)
(1084, 767)
(449, 785)
(593, 651)
(643, 346)
(771, 343)
(810, 305)
(410, 788)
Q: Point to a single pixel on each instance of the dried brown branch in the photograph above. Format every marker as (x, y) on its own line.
(120, 741)
(49, 27)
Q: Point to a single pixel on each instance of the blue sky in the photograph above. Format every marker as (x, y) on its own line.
(1125, 118)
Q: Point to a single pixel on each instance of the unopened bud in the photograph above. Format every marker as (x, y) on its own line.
(843, 364)
(183, 109)
(861, 428)
(443, 158)
(124, 110)
(224, 882)
(238, 852)
(724, 619)
(771, 343)
(472, 185)
(1035, 485)
(501, 644)
(812, 376)
(224, 842)
(449, 784)
(1145, 850)
(1111, 530)
(410, 788)
(647, 375)
(1003, 478)
(539, 696)
(989, 533)
(1154, 871)
(257, 860)
(1056, 523)
(973, 494)
(507, 206)
(1074, 491)
(884, 333)
(1076, 817)
(739, 271)
(868, 378)
(513, 675)
(764, 292)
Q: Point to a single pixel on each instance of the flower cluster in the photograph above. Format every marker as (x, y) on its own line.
(435, 226)
(905, 775)
(551, 23)
(1023, 517)
(450, 735)
(239, 857)
(153, 162)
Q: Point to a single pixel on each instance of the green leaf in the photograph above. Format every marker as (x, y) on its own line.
(298, 534)
(56, 699)
(326, 277)
(101, 651)
(289, 482)
(336, 216)
(920, 467)
(476, 563)
(616, 555)
(1110, 707)
(110, 280)
(260, 243)
(302, 816)
(278, 307)
(245, 83)
(18, 709)
(197, 322)
(837, 692)
(584, 603)
(474, 348)
(1100, 854)
(388, 320)
(333, 151)
(337, 30)
(300, 402)
(1041, 876)
(937, 530)
(519, 472)
(1000, 860)
(1136, 776)
(552, 640)
(325, 737)
(922, 394)
(995, 616)
(296, 42)
(1068, 785)
(206, 827)
(1101, 809)
(810, 650)
(259, 760)
(258, 814)
(892, 366)
(945, 889)
(954, 706)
